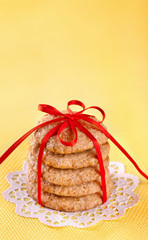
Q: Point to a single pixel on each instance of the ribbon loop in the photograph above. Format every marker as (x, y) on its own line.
(75, 102)
(97, 108)
(65, 125)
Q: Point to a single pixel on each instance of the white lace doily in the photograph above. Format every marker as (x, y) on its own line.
(121, 198)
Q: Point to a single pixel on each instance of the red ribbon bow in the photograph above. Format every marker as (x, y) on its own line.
(71, 119)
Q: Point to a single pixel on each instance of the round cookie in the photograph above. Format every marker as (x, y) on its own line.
(74, 190)
(66, 177)
(68, 204)
(87, 158)
(83, 142)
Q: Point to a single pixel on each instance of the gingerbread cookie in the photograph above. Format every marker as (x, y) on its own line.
(74, 190)
(69, 204)
(66, 177)
(83, 142)
(87, 158)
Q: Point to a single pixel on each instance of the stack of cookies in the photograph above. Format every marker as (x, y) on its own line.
(71, 179)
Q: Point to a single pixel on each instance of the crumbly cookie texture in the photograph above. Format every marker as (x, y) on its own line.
(83, 142)
(66, 177)
(87, 158)
(68, 204)
(74, 190)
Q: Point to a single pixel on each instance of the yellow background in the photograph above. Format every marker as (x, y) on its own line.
(95, 51)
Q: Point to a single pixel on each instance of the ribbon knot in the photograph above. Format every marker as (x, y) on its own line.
(71, 119)
(70, 116)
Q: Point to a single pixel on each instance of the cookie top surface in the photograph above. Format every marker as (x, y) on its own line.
(83, 142)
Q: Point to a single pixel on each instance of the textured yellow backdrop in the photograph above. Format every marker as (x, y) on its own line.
(94, 51)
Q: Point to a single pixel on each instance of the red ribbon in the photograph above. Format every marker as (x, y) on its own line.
(71, 119)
